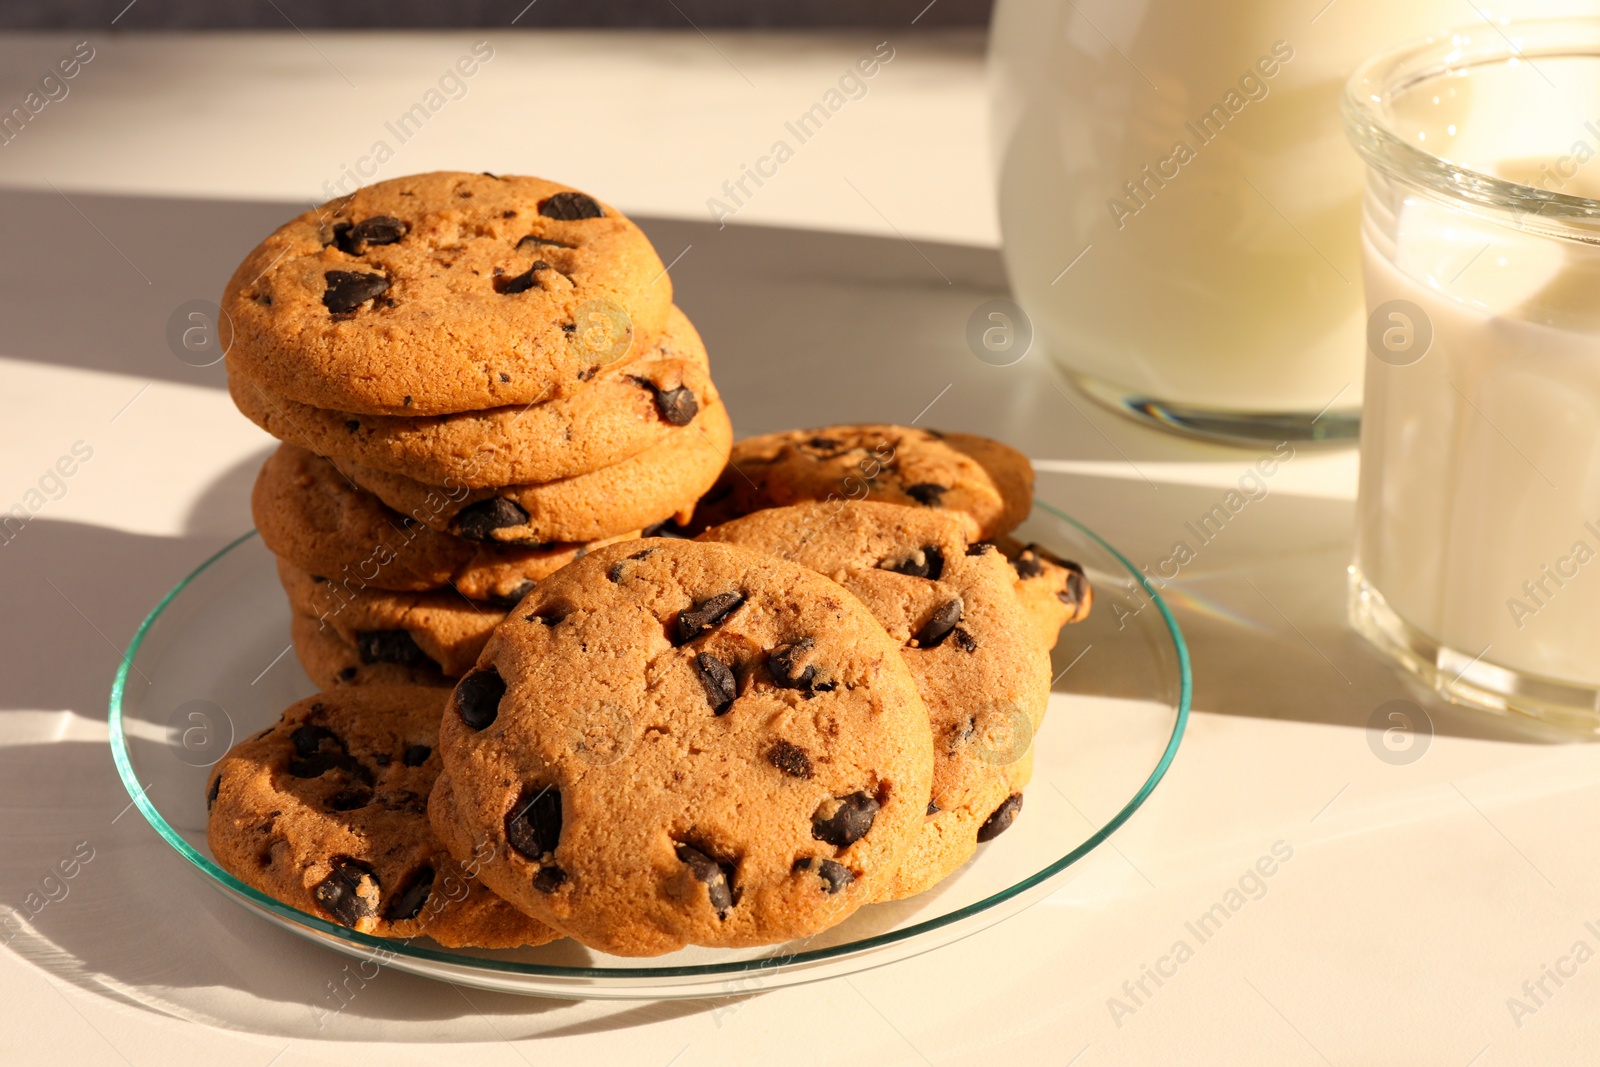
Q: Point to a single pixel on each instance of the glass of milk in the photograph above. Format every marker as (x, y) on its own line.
(1178, 209)
(1477, 561)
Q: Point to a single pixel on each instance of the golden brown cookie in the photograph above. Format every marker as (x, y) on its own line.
(327, 812)
(319, 520)
(1053, 591)
(951, 606)
(660, 483)
(626, 409)
(332, 663)
(435, 628)
(987, 481)
(443, 292)
(674, 742)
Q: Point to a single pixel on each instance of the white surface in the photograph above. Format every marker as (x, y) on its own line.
(1419, 898)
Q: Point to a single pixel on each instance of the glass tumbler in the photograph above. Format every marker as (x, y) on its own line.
(1477, 559)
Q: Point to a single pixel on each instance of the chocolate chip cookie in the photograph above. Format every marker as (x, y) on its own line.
(951, 606)
(311, 515)
(674, 742)
(327, 812)
(660, 483)
(443, 292)
(1053, 591)
(626, 409)
(984, 480)
(437, 627)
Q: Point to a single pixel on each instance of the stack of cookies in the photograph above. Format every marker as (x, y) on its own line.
(476, 380)
(819, 692)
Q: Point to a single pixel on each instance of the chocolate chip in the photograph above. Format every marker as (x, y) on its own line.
(504, 377)
(549, 879)
(407, 401)
(789, 758)
(390, 646)
(382, 759)
(1077, 586)
(963, 640)
(407, 904)
(378, 230)
(308, 739)
(533, 825)
(1027, 564)
(350, 893)
(835, 875)
(514, 597)
(416, 755)
(352, 425)
(477, 521)
(676, 406)
(551, 614)
(570, 206)
(347, 674)
(211, 794)
(824, 444)
(477, 697)
(718, 878)
(350, 799)
(926, 562)
(614, 572)
(348, 290)
(706, 615)
(939, 624)
(843, 821)
(522, 282)
(926, 493)
(722, 688)
(982, 548)
(999, 822)
(933, 809)
(533, 240)
(785, 665)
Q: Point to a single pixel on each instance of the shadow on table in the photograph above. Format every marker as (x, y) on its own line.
(1261, 602)
(804, 327)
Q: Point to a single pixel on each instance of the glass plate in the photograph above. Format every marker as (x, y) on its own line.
(211, 665)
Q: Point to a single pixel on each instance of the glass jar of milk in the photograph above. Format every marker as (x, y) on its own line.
(1178, 209)
(1478, 543)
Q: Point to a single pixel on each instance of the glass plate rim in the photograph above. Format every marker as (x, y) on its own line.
(120, 755)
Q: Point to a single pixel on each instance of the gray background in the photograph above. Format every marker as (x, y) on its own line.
(423, 14)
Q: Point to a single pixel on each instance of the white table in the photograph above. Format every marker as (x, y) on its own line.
(1418, 899)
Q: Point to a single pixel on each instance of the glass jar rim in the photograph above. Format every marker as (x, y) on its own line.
(1370, 129)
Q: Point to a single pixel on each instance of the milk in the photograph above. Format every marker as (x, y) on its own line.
(1228, 280)
(1479, 514)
